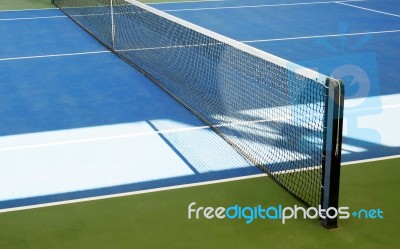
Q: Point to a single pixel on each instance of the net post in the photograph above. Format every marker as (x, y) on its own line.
(332, 150)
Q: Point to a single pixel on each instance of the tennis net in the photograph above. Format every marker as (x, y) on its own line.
(282, 117)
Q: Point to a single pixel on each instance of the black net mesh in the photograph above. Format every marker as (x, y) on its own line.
(272, 115)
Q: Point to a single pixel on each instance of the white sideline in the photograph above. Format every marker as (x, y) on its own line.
(31, 18)
(249, 41)
(323, 36)
(372, 10)
(53, 55)
(260, 6)
(189, 1)
(130, 193)
(28, 10)
(168, 188)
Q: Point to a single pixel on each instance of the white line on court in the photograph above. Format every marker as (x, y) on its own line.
(194, 1)
(132, 193)
(373, 108)
(259, 6)
(323, 36)
(95, 139)
(372, 10)
(194, 9)
(170, 188)
(29, 10)
(53, 55)
(248, 41)
(30, 18)
(370, 160)
(152, 133)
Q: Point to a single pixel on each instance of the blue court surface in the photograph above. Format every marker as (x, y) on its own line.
(76, 121)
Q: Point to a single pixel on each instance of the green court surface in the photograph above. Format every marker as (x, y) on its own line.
(160, 219)
(36, 4)
(25, 4)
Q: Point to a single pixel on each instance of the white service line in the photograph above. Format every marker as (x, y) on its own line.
(53, 55)
(28, 10)
(259, 6)
(376, 11)
(194, 1)
(322, 36)
(152, 133)
(372, 108)
(370, 160)
(249, 41)
(169, 188)
(131, 135)
(95, 139)
(132, 193)
(193, 9)
(31, 18)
